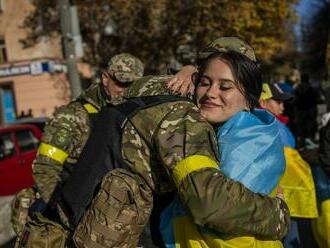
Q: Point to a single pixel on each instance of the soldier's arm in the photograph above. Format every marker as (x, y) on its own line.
(187, 147)
(60, 137)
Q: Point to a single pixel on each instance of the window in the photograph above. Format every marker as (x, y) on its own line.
(7, 146)
(3, 52)
(26, 140)
(2, 6)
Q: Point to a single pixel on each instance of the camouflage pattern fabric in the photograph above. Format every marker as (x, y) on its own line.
(68, 131)
(126, 68)
(159, 140)
(118, 213)
(95, 95)
(66, 134)
(20, 207)
(42, 232)
(224, 44)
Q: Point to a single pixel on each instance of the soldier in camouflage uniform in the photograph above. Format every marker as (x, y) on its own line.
(169, 147)
(66, 134)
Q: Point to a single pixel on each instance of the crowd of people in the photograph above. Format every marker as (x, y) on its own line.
(204, 158)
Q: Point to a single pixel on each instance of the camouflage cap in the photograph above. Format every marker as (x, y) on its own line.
(126, 67)
(225, 44)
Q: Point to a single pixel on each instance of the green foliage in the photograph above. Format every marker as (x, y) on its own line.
(158, 31)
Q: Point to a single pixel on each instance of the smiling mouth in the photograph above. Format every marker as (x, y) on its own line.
(208, 104)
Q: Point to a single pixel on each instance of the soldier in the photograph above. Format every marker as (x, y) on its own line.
(66, 134)
(167, 147)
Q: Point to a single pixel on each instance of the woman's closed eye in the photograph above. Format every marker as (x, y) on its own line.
(226, 85)
(205, 82)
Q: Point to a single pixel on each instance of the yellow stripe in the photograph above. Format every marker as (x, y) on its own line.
(90, 108)
(52, 152)
(191, 164)
(266, 92)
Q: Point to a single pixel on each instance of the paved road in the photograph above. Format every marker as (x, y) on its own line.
(6, 231)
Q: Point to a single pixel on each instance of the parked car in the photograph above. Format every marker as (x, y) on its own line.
(38, 121)
(18, 148)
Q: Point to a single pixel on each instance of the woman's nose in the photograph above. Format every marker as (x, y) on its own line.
(212, 92)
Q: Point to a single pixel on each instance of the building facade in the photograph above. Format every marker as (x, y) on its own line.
(32, 80)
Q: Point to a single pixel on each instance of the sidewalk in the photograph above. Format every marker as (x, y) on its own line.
(6, 231)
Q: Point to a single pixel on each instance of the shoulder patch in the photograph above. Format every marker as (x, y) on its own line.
(62, 138)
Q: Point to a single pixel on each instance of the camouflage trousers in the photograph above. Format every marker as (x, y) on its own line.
(118, 213)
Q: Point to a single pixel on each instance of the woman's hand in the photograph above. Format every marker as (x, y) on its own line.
(182, 81)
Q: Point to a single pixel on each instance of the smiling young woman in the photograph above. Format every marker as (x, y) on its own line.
(227, 83)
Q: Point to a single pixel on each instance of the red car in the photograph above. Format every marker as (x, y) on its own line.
(18, 148)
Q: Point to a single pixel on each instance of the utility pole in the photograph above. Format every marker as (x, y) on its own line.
(68, 31)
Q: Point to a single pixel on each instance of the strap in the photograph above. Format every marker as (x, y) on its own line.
(90, 108)
(133, 105)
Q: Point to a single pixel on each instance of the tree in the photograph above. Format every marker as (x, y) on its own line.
(159, 31)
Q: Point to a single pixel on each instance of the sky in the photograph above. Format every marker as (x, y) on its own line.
(306, 10)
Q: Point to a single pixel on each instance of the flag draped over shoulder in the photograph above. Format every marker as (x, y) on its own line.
(251, 151)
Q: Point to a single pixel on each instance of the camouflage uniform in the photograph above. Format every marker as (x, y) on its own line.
(66, 134)
(171, 147)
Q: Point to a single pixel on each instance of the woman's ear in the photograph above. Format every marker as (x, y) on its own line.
(263, 103)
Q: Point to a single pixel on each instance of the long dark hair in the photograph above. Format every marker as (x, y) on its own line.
(246, 73)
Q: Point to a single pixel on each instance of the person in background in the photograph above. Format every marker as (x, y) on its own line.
(297, 182)
(67, 132)
(305, 103)
(294, 80)
(321, 172)
(272, 99)
(324, 148)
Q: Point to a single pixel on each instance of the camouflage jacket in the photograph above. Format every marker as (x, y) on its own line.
(172, 147)
(64, 138)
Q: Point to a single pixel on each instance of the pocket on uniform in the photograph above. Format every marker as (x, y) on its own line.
(114, 217)
(40, 232)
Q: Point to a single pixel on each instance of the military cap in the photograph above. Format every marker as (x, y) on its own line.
(126, 67)
(225, 44)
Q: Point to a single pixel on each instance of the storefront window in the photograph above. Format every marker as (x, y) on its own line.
(3, 52)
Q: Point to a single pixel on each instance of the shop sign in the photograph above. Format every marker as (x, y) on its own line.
(15, 70)
(34, 68)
